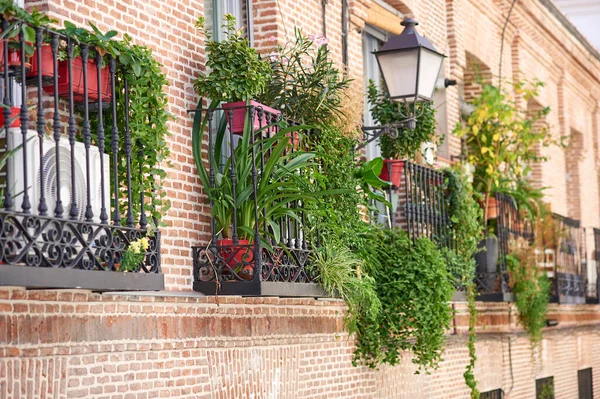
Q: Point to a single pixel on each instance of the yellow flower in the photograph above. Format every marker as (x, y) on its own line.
(145, 243)
(135, 247)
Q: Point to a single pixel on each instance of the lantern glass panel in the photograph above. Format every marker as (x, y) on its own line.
(430, 64)
(399, 69)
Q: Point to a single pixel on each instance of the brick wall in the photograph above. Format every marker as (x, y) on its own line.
(77, 344)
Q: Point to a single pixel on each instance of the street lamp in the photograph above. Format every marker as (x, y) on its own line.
(410, 65)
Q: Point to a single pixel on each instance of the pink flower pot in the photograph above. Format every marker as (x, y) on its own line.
(239, 115)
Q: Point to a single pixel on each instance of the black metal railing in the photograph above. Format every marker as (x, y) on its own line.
(569, 274)
(510, 225)
(246, 254)
(424, 203)
(66, 177)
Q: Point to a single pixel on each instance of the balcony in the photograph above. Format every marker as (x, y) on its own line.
(71, 204)
(259, 243)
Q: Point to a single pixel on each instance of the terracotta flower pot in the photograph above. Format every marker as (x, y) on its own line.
(77, 77)
(239, 115)
(14, 116)
(492, 208)
(392, 171)
(239, 258)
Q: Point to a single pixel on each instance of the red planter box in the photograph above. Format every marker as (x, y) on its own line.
(47, 65)
(396, 167)
(14, 113)
(239, 115)
(77, 76)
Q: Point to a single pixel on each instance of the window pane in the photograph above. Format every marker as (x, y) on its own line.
(586, 390)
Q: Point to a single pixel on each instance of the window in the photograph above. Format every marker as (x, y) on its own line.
(544, 388)
(495, 394)
(586, 390)
(372, 39)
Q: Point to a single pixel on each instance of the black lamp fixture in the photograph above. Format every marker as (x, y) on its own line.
(410, 66)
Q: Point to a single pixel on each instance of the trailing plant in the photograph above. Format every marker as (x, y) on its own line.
(305, 84)
(147, 124)
(466, 228)
(466, 231)
(134, 255)
(340, 273)
(502, 143)
(469, 374)
(235, 70)
(415, 289)
(531, 288)
(102, 42)
(406, 143)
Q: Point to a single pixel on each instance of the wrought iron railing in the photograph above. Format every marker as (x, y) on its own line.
(569, 274)
(248, 259)
(420, 203)
(509, 225)
(67, 200)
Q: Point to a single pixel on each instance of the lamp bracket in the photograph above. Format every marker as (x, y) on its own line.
(372, 133)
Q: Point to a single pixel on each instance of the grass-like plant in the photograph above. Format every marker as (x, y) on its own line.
(340, 273)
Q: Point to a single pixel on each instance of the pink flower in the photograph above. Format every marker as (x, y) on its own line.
(272, 39)
(273, 56)
(319, 40)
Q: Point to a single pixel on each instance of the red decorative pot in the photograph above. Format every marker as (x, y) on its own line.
(14, 116)
(239, 115)
(392, 171)
(239, 258)
(47, 65)
(77, 77)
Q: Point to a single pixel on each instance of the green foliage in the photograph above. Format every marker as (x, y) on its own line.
(237, 72)
(414, 288)
(466, 226)
(531, 288)
(278, 185)
(339, 272)
(469, 374)
(547, 391)
(305, 84)
(467, 230)
(15, 14)
(103, 42)
(503, 142)
(134, 255)
(148, 118)
(408, 142)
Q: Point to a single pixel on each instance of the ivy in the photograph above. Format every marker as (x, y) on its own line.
(148, 118)
(407, 142)
(531, 289)
(467, 230)
(415, 289)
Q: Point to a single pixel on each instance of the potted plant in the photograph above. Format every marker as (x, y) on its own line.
(403, 143)
(96, 40)
(21, 23)
(237, 75)
(134, 255)
(502, 144)
(278, 187)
